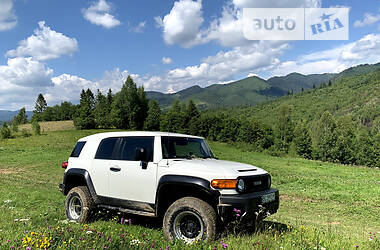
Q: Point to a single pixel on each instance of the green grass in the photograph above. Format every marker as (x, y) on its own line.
(323, 205)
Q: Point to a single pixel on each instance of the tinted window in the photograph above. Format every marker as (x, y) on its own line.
(78, 148)
(129, 145)
(107, 150)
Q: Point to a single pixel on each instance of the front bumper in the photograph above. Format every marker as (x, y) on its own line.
(251, 205)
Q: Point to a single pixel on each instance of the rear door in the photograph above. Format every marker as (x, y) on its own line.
(131, 181)
(103, 164)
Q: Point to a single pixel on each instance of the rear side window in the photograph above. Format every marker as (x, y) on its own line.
(78, 148)
(107, 149)
(129, 145)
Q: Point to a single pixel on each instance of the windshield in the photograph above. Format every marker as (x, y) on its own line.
(184, 147)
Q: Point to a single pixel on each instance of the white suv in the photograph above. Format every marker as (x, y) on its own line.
(167, 175)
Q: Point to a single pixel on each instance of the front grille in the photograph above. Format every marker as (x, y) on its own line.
(255, 183)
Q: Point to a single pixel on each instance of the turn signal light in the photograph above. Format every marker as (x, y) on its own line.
(224, 184)
(65, 164)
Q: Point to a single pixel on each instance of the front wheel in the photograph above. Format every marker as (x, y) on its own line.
(190, 219)
(79, 204)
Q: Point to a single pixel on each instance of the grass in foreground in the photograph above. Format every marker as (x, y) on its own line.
(323, 205)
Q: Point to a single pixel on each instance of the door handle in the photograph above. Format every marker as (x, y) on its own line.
(115, 169)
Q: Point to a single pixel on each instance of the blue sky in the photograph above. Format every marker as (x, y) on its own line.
(58, 47)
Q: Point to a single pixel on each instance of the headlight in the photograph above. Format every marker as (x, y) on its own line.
(241, 185)
(269, 181)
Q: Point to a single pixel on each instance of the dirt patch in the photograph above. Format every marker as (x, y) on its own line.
(8, 171)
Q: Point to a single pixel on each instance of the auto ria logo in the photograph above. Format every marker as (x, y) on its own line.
(295, 23)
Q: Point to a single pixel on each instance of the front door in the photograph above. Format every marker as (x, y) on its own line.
(130, 179)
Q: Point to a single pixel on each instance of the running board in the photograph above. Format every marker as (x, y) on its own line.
(129, 211)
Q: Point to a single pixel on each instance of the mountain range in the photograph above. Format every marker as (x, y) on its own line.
(253, 90)
(246, 92)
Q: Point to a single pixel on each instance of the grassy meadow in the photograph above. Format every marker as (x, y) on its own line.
(323, 205)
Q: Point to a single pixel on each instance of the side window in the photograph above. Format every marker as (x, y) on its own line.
(129, 145)
(107, 149)
(77, 149)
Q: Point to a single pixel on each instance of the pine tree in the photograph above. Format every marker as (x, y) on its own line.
(192, 115)
(152, 121)
(5, 132)
(102, 111)
(20, 118)
(302, 140)
(284, 129)
(85, 117)
(130, 106)
(174, 120)
(324, 137)
(39, 108)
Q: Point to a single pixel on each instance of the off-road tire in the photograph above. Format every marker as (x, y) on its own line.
(82, 196)
(200, 209)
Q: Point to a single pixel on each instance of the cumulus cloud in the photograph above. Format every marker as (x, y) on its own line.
(8, 19)
(99, 13)
(25, 72)
(21, 80)
(367, 20)
(181, 25)
(45, 44)
(167, 60)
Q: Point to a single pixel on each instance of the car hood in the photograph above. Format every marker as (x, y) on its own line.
(214, 167)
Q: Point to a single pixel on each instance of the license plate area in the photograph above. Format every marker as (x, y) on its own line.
(267, 198)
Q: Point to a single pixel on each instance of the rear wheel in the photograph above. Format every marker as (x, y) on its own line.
(190, 219)
(79, 205)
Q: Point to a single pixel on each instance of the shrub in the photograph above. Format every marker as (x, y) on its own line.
(5, 132)
(25, 133)
(36, 128)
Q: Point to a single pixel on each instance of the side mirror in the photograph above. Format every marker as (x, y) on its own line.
(140, 155)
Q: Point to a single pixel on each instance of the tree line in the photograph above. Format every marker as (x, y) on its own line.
(326, 138)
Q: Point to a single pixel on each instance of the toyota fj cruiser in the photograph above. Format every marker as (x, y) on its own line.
(167, 175)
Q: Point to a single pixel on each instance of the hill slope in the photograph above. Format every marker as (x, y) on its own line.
(358, 96)
(254, 90)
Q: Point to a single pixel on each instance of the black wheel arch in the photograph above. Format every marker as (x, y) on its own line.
(173, 187)
(75, 177)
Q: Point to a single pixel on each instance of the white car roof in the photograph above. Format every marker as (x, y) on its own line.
(101, 136)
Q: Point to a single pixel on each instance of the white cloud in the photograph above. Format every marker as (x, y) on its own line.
(99, 13)
(181, 25)
(364, 50)
(166, 60)
(139, 28)
(45, 44)
(8, 19)
(368, 20)
(21, 80)
(25, 72)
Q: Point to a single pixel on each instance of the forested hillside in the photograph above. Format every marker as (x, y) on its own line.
(358, 96)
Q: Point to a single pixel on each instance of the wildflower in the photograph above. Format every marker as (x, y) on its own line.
(89, 232)
(28, 248)
(167, 248)
(322, 248)
(7, 201)
(122, 221)
(357, 246)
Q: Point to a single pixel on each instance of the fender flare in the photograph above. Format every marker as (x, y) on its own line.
(188, 181)
(82, 173)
